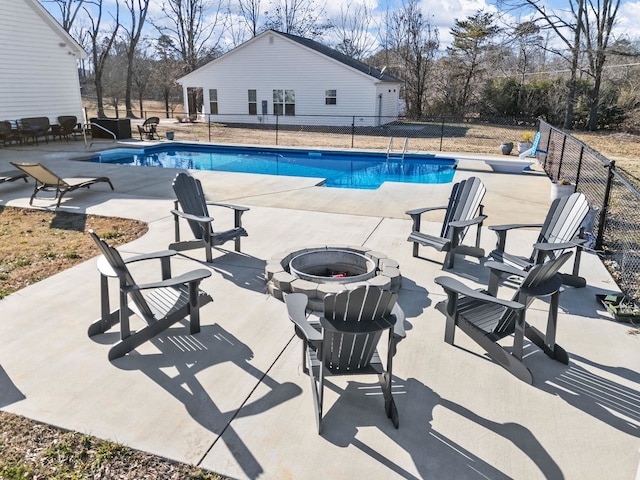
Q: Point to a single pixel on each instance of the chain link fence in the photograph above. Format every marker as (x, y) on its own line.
(612, 195)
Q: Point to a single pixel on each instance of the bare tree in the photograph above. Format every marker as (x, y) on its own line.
(250, 14)
(195, 36)
(142, 70)
(599, 18)
(101, 44)
(352, 28)
(414, 41)
(569, 32)
(138, 12)
(298, 17)
(195, 28)
(528, 39)
(168, 68)
(68, 11)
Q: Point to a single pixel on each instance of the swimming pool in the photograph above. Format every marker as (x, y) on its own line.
(362, 170)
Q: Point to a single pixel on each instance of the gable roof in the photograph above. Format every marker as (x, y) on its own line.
(71, 43)
(317, 47)
(340, 57)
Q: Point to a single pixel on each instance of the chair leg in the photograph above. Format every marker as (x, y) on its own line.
(194, 308)
(317, 388)
(450, 330)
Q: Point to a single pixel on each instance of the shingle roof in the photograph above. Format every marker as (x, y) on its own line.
(340, 57)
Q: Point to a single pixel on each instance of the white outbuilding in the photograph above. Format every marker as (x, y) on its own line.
(38, 64)
(281, 77)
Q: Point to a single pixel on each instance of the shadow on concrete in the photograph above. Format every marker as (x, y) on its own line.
(188, 355)
(9, 393)
(433, 454)
(612, 396)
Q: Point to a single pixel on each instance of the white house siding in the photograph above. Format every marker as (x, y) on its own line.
(38, 76)
(273, 62)
(389, 93)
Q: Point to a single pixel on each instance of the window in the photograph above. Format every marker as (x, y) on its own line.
(213, 101)
(253, 102)
(330, 97)
(284, 102)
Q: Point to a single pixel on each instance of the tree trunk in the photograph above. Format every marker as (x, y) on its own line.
(127, 95)
(594, 102)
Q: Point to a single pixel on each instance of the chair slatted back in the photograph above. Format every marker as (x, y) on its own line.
(563, 220)
(345, 350)
(191, 197)
(40, 173)
(120, 268)
(67, 125)
(537, 277)
(464, 202)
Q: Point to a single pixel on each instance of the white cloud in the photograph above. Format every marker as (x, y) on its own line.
(627, 24)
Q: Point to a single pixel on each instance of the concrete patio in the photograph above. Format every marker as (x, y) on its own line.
(234, 399)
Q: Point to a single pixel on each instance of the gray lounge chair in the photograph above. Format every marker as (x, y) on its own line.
(48, 181)
(557, 234)
(464, 210)
(159, 304)
(12, 176)
(192, 206)
(344, 340)
(487, 319)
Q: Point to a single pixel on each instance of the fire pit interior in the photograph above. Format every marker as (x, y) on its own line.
(332, 266)
(318, 271)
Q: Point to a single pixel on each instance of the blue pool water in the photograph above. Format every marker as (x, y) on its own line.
(340, 169)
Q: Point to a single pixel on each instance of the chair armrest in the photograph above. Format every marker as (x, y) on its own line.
(194, 218)
(239, 208)
(452, 285)
(189, 277)
(296, 307)
(501, 232)
(416, 215)
(420, 211)
(500, 228)
(151, 256)
(468, 223)
(550, 247)
(504, 268)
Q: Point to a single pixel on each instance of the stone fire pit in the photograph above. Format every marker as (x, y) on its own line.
(317, 271)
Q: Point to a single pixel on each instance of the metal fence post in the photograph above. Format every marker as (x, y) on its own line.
(209, 125)
(579, 166)
(441, 133)
(277, 128)
(564, 142)
(353, 129)
(605, 206)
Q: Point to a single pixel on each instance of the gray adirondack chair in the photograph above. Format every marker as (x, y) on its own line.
(488, 319)
(558, 233)
(159, 304)
(344, 340)
(464, 210)
(192, 206)
(47, 181)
